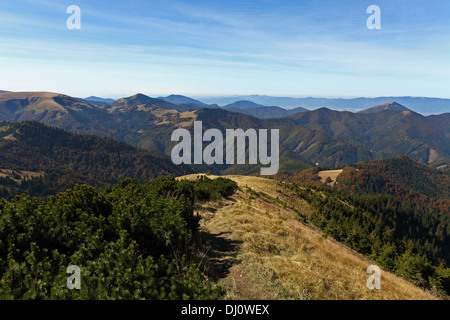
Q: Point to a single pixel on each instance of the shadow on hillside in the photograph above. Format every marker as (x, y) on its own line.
(220, 252)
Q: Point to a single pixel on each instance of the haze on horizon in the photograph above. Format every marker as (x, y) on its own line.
(222, 48)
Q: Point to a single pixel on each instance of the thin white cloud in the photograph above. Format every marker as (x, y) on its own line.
(224, 50)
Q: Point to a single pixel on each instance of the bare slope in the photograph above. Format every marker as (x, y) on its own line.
(263, 250)
(331, 175)
(57, 160)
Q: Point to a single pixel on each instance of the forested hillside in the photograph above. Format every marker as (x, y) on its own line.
(400, 177)
(410, 240)
(287, 248)
(323, 136)
(387, 133)
(41, 160)
(394, 211)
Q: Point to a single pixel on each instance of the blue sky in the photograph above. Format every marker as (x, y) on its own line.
(209, 47)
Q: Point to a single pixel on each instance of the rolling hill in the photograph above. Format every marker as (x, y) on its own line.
(297, 144)
(43, 106)
(140, 100)
(42, 160)
(242, 104)
(183, 100)
(323, 136)
(387, 133)
(399, 176)
(259, 111)
(97, 100)
(56, 110)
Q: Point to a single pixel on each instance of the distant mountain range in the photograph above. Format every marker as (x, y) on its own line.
(388, 132)
(183, 100)
(97, 100)
(390, 106)
(421, 105)
(399, 176)
(259, 111)
(323, 136)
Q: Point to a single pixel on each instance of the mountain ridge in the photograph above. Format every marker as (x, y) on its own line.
(389, 132)
(180, 99)
(424, 105)
(275, 253)
(389, 106)
(97, 100)
(324, 136)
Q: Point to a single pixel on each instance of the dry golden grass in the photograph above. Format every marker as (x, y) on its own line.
(40, 102)
(189, 118)
(10, 137)
(23, 174)
(45, 105)
(165, 117)
(332, 174)
(26, 95)
(281, 257)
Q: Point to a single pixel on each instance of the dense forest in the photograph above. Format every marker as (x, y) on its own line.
(400, 177)
(130, 241)
(57, 160)
(410, 240)
(394, 211)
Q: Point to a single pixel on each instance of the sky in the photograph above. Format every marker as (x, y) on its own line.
(217, 48)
